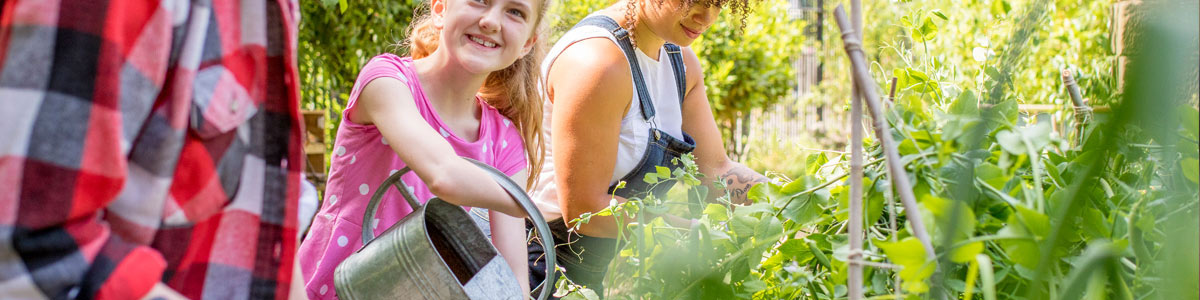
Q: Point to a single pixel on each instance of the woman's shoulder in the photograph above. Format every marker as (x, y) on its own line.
(597, 61)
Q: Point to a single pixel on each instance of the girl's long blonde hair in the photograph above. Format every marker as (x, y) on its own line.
(514, 91)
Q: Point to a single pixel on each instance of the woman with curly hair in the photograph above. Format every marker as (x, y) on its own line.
(624, 95)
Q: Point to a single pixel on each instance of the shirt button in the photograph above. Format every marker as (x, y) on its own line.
(233, 103)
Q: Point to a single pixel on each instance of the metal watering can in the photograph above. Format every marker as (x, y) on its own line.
(436, 252)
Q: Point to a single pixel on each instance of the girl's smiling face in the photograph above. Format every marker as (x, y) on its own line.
(486, 35)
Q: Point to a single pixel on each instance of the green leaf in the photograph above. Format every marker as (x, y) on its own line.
(814, 162)
(992, 175)
(342, 6)
(1036, 223)
(768, 228)
(965, 105)
(327, 3)
(966, 253)
(1028, 228)
(1094, 224)
(793, 247)
(938, 13)
(941, 213)
(1191, 120)
(1191, 169)
(928, 30)
(764, 192)
(910, 254)
(798, 185)
(716, 212)
(650, 178)
(1000, 7)
(743, 226)
(1053, 171)
(804, 208)
(663, 172)
(1011, 142)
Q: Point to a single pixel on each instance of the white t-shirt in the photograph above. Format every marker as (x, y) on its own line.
(661, 85)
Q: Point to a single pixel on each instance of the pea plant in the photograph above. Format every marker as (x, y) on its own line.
(1015, 206)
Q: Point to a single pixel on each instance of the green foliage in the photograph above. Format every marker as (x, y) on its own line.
(1014, 209)
(751, 67)
(565, 14)
(337, 38)
(963, 53)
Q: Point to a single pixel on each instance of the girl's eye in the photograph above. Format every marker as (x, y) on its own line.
(517, 12)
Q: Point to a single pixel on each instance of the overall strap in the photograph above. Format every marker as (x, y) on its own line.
(622, 37)
(677, 66)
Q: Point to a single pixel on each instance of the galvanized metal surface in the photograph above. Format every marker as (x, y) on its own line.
(436, 252)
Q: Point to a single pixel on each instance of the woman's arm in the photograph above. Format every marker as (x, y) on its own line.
(710, 152)
(508, 235)
(388, 104)
(590, 87)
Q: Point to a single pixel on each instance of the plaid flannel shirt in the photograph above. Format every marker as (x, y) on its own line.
(148, 141)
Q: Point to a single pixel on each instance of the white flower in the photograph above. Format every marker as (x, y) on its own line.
(980, 54)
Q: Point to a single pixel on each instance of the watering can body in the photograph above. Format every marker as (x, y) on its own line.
(410, 250)
(436, 252)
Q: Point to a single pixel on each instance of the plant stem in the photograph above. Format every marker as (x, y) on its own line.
(821, 186)
(899, 177)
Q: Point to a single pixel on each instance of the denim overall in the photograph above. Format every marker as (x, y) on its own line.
(586, 258)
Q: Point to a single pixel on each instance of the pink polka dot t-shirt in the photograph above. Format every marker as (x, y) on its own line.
(362, 159)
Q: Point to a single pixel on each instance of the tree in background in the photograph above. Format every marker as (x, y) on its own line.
(336, 39)
(749, 67)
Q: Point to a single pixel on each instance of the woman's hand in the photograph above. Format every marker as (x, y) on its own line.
(710, 152)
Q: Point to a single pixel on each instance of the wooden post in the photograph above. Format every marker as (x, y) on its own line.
(854, 278)
(314, 148)
(1083, 113)
(899, 177)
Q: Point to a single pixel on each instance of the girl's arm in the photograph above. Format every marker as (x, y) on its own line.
(710, 152)
(388, 104)
(508, 235)
(590, 86)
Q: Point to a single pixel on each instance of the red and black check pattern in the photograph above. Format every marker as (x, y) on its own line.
(148, 141)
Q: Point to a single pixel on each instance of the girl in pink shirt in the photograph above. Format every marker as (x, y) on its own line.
(468, 90)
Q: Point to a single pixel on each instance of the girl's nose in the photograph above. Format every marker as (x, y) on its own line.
(490, 21)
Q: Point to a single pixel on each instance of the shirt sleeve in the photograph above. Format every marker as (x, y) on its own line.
(383, 65)
(67, 116)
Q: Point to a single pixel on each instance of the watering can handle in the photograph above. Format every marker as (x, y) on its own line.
(506, 183)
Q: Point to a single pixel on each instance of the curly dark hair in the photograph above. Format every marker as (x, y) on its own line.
(741, 8)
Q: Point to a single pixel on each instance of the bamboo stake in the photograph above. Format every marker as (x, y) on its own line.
(853, 46)
(892, 94)
(1083, 113)
(854, 278)
(892, 204)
